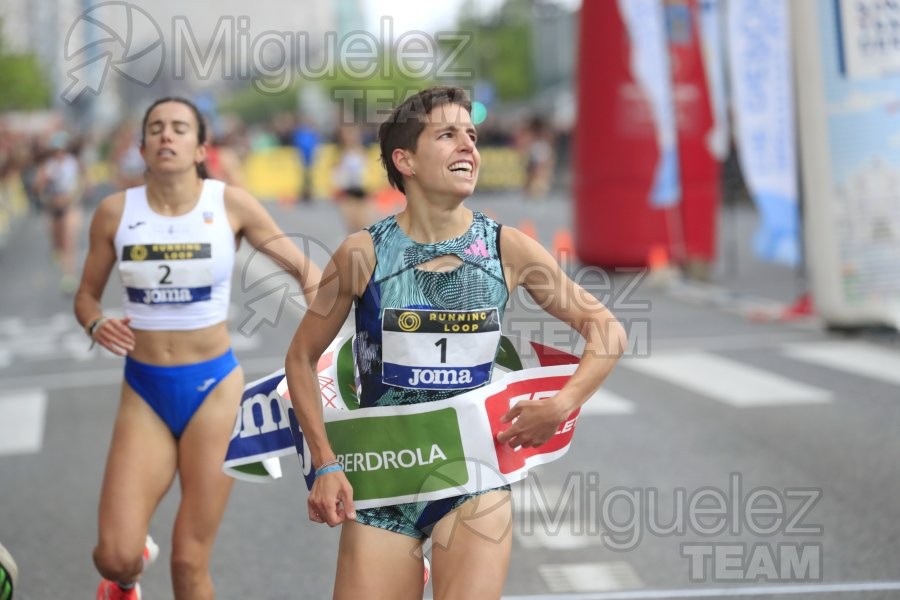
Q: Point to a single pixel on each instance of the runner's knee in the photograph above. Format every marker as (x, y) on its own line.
(117, 563)
(189, 561)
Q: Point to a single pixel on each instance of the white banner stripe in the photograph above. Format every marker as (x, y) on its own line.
(477, 414)
(485, 471)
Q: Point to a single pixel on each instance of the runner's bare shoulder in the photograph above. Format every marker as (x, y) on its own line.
(109, 212)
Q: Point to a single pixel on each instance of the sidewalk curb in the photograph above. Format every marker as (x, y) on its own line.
(753, 308)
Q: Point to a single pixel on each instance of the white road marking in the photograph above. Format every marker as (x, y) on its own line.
(607, 403)
(22, 416)
(51, 325)
(726, 341)
(561, 539)
(589, 577)
(10, 326)
(65, 381)
(726, 592)
(253, 368)
(579, 494)
(728, 381)
(532, 496)
(858, 358)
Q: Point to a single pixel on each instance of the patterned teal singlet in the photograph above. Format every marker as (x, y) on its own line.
(478, 283)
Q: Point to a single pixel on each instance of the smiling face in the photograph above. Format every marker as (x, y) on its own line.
(171, 141)
(446, 160)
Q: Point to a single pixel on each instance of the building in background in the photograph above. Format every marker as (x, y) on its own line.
(555, 30)
(128, 53)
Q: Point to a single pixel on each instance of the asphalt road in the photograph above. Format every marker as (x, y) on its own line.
(725, 458)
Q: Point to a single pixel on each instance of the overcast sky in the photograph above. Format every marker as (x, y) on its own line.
(434, 17)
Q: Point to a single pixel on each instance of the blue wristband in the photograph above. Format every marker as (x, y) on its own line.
(329, 469)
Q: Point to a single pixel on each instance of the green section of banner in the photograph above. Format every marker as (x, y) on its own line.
(346, 378)
(253, 469)
(507, 357)
(400, 455)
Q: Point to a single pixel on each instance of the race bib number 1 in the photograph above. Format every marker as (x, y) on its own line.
(427, 349)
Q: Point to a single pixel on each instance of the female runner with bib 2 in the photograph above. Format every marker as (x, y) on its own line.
(430, 289)
(174, 241)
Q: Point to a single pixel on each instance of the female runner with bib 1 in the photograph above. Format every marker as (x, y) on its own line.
(430, 289)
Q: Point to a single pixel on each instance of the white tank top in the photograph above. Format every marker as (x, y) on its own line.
(176, 271)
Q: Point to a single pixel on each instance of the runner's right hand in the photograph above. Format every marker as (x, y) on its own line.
(115, 335)
(331, 499)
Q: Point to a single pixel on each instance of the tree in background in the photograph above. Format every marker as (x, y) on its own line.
(501, 52)
(253, 106)
(501, 48)
(387, 86)
(22, 80)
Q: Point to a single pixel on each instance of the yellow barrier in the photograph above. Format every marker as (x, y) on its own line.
(13, 204)
(99, 172)
(501, 168)
(276, 173)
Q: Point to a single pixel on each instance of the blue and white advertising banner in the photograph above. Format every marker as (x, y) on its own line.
(650, 67)
(850, 147)
(712, 22)
(763, 108)
(870, 38)
(262, 431)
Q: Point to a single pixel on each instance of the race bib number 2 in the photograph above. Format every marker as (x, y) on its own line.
(428, 349)
(167, 273)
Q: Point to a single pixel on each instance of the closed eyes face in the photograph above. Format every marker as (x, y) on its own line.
(178, 127)
(171, 138)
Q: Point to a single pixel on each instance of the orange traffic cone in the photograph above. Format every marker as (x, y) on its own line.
(527, 227)
(657, 258)
(661, 273)
(563, 246)
(389, 200)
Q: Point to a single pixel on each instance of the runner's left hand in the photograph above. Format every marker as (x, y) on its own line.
(534, 422)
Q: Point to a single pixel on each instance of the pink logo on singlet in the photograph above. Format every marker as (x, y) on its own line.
(477, 249)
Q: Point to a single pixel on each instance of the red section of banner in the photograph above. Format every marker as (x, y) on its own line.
(615, 148)
(498, 405)
(550, 357)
